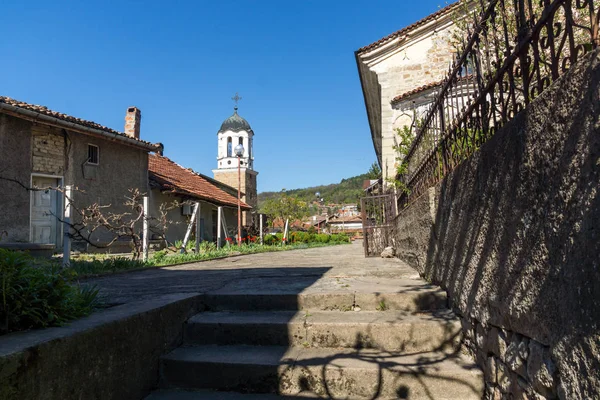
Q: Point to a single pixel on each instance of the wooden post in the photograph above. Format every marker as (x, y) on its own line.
(145, 232)
(261, 228)
(198, 228)
(219, 212)
(188, 232)
(67, 226)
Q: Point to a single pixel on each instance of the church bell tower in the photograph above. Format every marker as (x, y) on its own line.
(234, 131)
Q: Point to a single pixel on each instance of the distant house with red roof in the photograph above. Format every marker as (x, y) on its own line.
(350, 224)
(400, 75)
(177, 189)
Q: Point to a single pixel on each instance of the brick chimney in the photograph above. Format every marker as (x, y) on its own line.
(133, 119)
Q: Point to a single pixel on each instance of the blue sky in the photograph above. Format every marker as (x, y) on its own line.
(180, 62)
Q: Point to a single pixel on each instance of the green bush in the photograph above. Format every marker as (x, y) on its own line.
(38, 294)
(269, 240)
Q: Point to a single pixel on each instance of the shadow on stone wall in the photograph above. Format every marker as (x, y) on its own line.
(516, 243)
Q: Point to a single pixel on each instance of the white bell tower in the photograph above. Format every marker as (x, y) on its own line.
(234, 131)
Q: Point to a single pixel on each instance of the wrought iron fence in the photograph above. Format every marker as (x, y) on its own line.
(509, 53)
(378, 214)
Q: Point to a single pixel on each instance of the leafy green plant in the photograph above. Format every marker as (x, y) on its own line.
(406, 137)
(159, 256)
(37, 294)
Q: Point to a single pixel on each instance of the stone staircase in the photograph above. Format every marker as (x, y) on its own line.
(402, 344)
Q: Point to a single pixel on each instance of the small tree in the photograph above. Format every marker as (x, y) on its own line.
(285, 207)
(374, 171)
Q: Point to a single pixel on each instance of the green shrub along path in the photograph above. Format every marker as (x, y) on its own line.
(38, 293)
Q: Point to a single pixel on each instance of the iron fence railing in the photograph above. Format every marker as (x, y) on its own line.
(378, 214)
(510, 51)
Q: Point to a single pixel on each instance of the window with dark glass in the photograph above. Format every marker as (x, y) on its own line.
(229, 147)
(93, 154)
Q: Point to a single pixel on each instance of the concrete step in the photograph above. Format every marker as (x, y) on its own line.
(346, 373)
(411, 298)
(384, 330)
(176, 394)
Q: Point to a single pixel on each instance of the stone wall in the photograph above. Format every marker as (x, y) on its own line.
(512, 235)
(112, 354)
(120, 168)
(248, 188)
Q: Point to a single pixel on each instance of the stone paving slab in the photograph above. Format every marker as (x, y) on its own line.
(341, 269)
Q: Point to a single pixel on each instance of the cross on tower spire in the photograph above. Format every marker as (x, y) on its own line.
(236, 99)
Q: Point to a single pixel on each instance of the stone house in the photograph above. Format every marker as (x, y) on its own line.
(397, 69)
(47, 149)
(178, 189)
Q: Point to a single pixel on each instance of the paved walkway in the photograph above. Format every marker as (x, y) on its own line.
(326, 269)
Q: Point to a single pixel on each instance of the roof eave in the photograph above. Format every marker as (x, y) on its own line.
(366, 101)
(35, 116)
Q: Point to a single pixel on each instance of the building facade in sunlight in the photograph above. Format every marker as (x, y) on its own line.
(400, 75)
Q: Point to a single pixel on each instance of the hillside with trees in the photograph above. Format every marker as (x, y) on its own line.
(348, 191)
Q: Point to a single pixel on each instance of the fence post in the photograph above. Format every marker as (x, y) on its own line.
(219, 223)
(261, 227)
(189, 228)
(67, 226)
(285, 231)
(198, 228)
(145, 234)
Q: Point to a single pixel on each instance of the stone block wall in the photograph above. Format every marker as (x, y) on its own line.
(512, 235)
(47, 150)
(423, 60)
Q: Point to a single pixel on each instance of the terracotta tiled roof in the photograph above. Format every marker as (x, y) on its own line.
(429, 86)
(416, 91)
(68, 118)
(350, 218)
(279, 223)
(179, 180)
(409, 28)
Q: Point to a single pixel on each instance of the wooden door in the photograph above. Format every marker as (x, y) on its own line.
(44, 209)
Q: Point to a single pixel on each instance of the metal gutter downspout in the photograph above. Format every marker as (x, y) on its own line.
(35, 116)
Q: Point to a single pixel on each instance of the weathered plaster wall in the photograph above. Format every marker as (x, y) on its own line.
(15, 163)
(120, 168)
(513, 236)
(179, 223)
